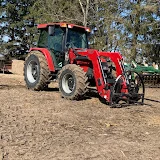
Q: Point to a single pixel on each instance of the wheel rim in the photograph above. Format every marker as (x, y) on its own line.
(32, 71)
(68, 83)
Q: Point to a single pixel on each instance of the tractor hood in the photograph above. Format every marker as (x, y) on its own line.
(112, 55)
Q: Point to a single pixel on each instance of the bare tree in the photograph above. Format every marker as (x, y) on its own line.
(84, 9)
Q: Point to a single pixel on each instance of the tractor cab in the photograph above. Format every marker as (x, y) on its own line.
(59, 37)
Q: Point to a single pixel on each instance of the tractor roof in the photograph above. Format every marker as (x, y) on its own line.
(62, 24)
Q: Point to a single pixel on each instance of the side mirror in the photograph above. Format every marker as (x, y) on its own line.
(106, 43)
(91, 39)
(51, 30)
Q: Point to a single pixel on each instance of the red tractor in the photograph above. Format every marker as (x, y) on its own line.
(63, 53)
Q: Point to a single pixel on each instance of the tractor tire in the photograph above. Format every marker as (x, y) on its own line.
(73, 82)
(36, 71)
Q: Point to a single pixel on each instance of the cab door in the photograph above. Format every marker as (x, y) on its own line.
(56, 46)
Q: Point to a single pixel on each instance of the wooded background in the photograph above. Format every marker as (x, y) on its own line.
(132, 27)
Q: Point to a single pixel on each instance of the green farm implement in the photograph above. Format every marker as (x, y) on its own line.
(150, 75)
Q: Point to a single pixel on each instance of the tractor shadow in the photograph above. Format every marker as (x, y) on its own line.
(8, 87)
(89, 95)
(152, 100)
(5, 72)
(92, 93)
(52, 89)
(145, 104)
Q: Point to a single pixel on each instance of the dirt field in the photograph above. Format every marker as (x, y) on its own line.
(43, 126)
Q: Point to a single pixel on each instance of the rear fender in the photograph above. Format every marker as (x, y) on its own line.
(47, 55)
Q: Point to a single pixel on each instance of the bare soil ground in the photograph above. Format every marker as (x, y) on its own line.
(43, 126)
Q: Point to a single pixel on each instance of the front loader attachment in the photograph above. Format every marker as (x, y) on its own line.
(128, 88)
(116, 85)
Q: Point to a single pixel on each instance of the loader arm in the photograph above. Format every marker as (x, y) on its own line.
(96, 58)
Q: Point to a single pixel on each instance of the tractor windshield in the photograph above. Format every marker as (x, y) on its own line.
(77, 38)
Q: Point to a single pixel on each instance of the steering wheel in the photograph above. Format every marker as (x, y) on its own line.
(70, 45)
(57, 47)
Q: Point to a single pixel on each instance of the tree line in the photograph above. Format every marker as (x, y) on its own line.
(129, 26)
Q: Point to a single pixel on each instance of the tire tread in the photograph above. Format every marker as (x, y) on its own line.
(82, 81)
(44, 71)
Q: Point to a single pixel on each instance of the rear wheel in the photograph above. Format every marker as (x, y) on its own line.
(73, 82)
(36, 71)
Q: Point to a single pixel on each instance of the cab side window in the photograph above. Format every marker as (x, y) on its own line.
(55, 41)
(43, 39)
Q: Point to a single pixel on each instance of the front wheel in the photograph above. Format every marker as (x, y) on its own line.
(36, 72)
(73, 82)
